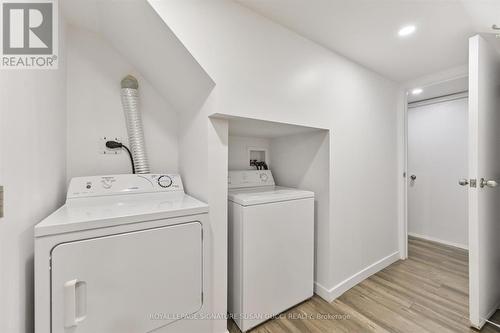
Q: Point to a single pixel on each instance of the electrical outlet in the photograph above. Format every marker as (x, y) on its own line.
(107, 151)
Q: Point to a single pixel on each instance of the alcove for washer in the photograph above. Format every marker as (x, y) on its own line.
(297, 155)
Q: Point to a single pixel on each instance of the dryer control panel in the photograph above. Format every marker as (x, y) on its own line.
(92, 186)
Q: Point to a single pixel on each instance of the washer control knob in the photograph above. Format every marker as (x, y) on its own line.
(106, 184)
(164, 181)
(263, 177)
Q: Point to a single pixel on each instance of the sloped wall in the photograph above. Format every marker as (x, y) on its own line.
(265, 71)
(143, 39)
(95, 70)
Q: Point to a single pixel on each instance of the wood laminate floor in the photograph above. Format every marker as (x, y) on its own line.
(428, 292)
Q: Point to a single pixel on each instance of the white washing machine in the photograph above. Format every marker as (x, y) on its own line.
(271, 247)
(124, 254)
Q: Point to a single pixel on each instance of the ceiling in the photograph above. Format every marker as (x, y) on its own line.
(366, 31)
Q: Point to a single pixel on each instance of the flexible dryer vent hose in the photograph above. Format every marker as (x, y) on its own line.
(130, 102)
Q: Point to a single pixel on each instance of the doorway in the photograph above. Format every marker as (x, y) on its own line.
(437, 159)
(481, 183)
(437, 206)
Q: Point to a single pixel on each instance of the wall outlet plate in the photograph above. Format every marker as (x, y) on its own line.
(259, 154)
(105, 150)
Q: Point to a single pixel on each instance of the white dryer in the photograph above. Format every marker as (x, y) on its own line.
(271, 247)
(124, 254)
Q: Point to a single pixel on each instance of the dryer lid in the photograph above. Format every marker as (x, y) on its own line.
(105, 201)
(107, 211)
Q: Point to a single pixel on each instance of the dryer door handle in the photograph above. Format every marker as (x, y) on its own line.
(75, 302)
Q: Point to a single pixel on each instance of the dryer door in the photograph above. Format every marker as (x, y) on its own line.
(133, 282)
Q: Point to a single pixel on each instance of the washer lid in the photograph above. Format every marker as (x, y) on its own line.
(263, 195)
(106, 211)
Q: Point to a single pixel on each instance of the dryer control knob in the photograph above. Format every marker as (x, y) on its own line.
(164, 181)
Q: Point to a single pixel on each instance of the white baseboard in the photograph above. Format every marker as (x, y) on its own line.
(437, 240)
(322, 291)
(331, 294)
(482, 321)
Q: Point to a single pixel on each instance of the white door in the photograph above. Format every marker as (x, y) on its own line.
(128, 283)
(5, 308)
(437, 158)
(484, 170)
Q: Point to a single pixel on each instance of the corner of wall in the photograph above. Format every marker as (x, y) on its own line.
(330, 294)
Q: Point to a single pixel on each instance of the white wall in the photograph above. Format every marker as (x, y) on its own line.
(95, 70)
(238, 151)
(33, 171)
(302, 161)
(437, 155)
(203, 160)
(265, 71)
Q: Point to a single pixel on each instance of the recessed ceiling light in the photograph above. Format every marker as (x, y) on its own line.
(417, 91)
(406, 30)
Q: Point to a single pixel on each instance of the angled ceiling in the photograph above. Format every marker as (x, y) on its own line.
(135, 30)
(366, 31)
(239, 126)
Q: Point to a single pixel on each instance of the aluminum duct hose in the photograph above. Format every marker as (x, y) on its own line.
(130, 102)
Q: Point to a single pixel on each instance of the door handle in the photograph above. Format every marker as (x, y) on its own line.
(463, 182)
(413, 177)
(488, 183)
(74, 306)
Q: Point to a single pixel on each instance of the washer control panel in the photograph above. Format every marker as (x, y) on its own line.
(91, 186)
(250, 178)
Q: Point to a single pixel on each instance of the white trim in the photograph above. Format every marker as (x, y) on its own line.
(331, 294)
(322, 291)
(441, 99)
(482, 321)
(437, 240)
(402, 176)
